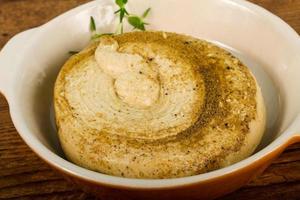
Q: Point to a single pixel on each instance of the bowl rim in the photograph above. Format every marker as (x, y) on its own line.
(121, 182)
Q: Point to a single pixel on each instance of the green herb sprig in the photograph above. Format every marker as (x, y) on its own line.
(134, 20)
(122, 13)
(137, 22)
(93, 27)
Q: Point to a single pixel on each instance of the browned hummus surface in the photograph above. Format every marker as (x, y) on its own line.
(157, 105)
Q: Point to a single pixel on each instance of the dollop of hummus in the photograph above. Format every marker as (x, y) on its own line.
(136, 83)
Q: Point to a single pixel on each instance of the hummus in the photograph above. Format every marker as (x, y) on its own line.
(157, 105)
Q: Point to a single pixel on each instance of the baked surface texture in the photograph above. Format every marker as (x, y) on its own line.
(157, 105)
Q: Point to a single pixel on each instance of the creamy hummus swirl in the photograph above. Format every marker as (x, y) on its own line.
(136, 81)
(157, 105)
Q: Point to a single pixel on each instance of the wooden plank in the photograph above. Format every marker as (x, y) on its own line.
(69, 195)
(30, 177)
(35, 188)
(285, 191)
(24, 176)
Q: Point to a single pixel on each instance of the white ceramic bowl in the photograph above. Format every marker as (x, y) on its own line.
(30, 62)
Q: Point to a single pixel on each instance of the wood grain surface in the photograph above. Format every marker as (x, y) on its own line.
(24, 176)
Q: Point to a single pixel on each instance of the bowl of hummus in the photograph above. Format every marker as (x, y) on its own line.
(192, 108)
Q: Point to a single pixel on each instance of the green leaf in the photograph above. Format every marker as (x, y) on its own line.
(121, 3)
(136, 22)
(145, 14)
(92, 24)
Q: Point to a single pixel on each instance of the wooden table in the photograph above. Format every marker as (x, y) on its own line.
(24, 176)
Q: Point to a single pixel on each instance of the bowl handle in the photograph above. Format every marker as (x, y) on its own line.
(9, 56)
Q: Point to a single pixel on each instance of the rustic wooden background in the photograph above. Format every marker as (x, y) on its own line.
(24, 176)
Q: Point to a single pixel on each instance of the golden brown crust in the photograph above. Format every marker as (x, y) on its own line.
(224, 103)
